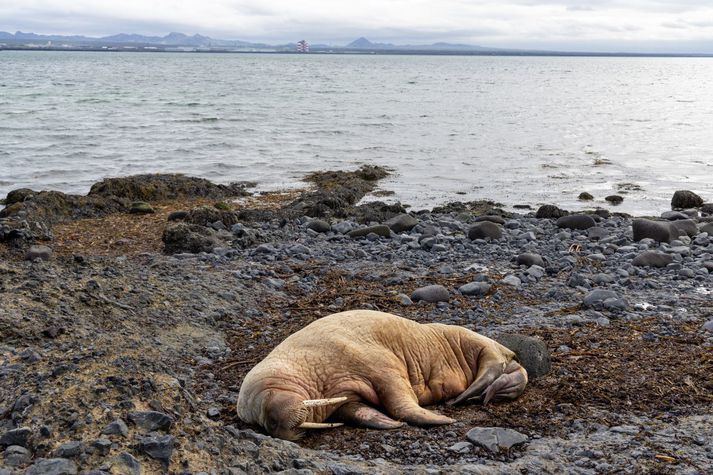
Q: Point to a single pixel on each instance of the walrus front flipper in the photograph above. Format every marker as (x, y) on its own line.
(401, 403)
(361, 415)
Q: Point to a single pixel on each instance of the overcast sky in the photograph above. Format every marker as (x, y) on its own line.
(595, 25)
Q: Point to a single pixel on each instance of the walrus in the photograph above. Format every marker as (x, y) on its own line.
(374, 370)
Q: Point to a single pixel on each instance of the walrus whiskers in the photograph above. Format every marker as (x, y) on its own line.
(319, 425)
(322, 402)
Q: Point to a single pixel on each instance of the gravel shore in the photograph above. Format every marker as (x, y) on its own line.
(125, 331)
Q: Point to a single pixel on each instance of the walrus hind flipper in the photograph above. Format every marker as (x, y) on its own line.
(361, 415)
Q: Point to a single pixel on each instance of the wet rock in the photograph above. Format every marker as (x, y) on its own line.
(55, 466)
(159, 448)
(16, 455)
(211, 216)
(402, 223)
(683, 199)
(158, 187)
(707, 208)
(125, 464)
(431, 293)
(38, 252)
(584, 196)
(532, 353)
(615, 199)
(192, 238)
(477, 289)
(319, 226)
(150, 420)
(496, 439)
(141, 207)
(550, 211)
(646, 229)
(576, 221)
(707, 228)
(18, 196)
(652, 259)
(19, 436)
(530, 259)
(117, 427)
(485, 230)
(380, 230)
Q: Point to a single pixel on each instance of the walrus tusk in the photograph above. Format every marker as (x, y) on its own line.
(323, 402)
(319, 425)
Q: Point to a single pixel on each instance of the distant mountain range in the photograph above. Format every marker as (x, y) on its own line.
(364, 44)
(181, 39)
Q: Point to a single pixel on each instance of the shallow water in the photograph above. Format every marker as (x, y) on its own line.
(515, 129)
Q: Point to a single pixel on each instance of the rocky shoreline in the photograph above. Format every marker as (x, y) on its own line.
(130, 316)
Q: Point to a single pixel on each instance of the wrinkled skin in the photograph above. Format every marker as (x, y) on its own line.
(386, 367)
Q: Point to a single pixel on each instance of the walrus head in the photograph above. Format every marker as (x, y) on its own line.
(284, 414)
(496, 380)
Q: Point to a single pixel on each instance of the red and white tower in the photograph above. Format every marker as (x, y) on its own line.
(302, 46)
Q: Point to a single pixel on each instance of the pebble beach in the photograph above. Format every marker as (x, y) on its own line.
(130, 315)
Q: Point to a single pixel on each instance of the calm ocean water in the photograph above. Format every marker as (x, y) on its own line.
(515, 129)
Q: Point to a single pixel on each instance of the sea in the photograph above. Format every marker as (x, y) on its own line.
(517, 130)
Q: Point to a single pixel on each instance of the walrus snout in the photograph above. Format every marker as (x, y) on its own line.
(285, 415)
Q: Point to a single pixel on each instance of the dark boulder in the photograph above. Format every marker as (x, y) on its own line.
(18, 196)
(584, 196)
(550, 211)
(615, 199)
(402, 223)
(182, 237)
(485, 230)
(532, 353)
(206, 215)
(657, 230)
(683, 199)
(576, 221)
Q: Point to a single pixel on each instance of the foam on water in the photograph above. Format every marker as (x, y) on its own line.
(518, 130)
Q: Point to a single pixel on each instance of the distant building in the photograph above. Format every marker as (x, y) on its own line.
(302, 46)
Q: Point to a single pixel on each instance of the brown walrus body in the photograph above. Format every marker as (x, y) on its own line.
(351, 366)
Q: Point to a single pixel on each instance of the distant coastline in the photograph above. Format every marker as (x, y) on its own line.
(345, 51)
(181, 43)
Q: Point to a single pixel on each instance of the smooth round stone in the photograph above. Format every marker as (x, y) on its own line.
(380, 230)
(485, 230)
(319, 226)
(652, 259)
(584, 196)
(576, 221)
(549, 211)
(674, 215)
(532, 352)
(530, 259)
(477, 289)
(512, 281)
(615, 199)
(492, 218)
(431, 294)
(38, 252)
(659, 231)
(141, 207)
(402, 223)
